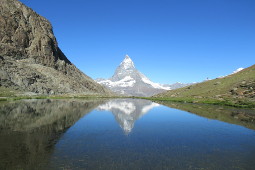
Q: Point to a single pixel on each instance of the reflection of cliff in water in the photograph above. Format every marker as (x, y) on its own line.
(243, 117)
(30, 128)
(127, 111)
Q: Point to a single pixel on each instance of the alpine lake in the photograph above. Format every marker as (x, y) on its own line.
(124, 134)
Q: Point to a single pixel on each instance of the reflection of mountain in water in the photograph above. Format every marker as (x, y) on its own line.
(30, 128)
(127, 111)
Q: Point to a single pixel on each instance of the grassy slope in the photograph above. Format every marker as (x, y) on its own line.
(236, 89)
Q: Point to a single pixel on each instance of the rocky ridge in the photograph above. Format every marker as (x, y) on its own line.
(30, 58)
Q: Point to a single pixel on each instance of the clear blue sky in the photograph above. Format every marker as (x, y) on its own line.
(168, 40)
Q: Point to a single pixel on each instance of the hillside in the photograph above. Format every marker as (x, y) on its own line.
(238, 88)
(30, 58)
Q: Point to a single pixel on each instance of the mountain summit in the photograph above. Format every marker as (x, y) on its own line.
(125, 68)
(127, 80)
(127, 63)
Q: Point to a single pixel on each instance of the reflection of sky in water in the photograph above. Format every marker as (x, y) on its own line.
(163, 138)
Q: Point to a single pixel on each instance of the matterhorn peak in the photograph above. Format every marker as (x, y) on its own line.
(127, 80)
(127, 63)
(127, 57)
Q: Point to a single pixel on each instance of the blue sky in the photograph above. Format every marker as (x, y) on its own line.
(168, 40)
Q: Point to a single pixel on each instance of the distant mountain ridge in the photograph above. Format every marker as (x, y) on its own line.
(30, 58)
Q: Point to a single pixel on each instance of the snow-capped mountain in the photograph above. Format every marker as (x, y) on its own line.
(127, 80)
(127, 111)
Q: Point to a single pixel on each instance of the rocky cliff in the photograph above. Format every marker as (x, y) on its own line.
(30, 58)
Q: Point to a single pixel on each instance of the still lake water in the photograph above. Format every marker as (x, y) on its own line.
(124, 134)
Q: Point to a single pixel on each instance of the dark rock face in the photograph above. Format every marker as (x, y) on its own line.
(30, 58)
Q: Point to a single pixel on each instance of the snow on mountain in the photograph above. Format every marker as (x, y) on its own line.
(127, 80)
(155, 85)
